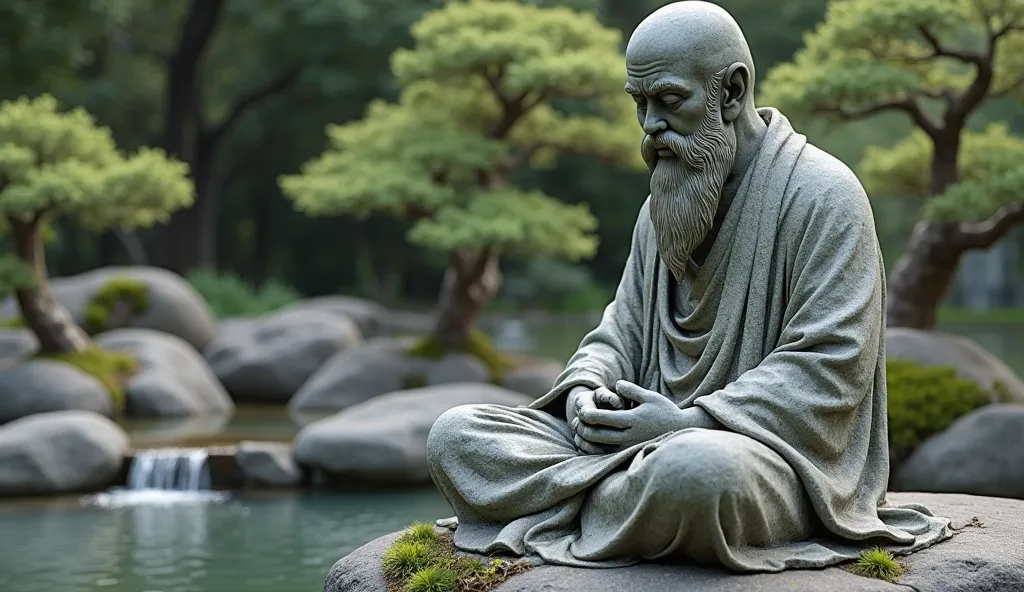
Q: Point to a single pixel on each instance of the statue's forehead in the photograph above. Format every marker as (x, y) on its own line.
(650, 75)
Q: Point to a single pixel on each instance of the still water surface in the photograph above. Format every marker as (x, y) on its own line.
(283, 543)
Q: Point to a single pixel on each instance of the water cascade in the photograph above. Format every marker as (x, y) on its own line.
(170, 469)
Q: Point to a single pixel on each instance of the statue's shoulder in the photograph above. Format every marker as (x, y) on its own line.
(823, 190)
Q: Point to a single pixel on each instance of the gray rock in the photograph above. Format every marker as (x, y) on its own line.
(267, 464)
(60, 452)
(404, 322)
(174, 306)
(376, 367)
(367, 315)
(982, 453)
(174, 380)
(16, 344)
(41, 386)
(533, 379)
(972, 362)
(268, 359)
(987, 558)
(457, 368)
(385, 440)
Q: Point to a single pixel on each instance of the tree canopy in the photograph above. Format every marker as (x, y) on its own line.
(936, 61)
(55, 163)
(488, 86)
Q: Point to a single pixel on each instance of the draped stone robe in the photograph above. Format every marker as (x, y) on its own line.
(778, 336)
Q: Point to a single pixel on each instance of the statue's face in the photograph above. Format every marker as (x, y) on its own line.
(688, 148)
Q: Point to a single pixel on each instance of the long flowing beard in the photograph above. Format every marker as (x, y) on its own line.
(685, 191)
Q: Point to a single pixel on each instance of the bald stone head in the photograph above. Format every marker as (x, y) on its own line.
(690, 72)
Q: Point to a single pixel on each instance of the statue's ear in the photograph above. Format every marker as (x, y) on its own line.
(735, 88)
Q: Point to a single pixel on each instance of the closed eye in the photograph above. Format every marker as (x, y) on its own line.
(672, 99)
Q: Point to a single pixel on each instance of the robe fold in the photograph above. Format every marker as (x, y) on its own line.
(778, 336)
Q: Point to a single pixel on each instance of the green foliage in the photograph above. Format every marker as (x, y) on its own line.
(230, 296)
(133, 292)
(879, 564)
(112, 368)
(478, 101)
(433, 579)
(421, 560)
(14, 275)
(989, 171)
(62, 163)
(12, 323)
(926, 400)
(869, 57)
(478, 345)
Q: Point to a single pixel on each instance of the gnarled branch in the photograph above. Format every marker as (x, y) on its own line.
(964, 55)
(982, 235)
(909, 105)
(247, 102)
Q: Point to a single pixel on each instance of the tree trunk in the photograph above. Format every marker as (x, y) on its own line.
(922, 277)
(469, 285)
(53, 326)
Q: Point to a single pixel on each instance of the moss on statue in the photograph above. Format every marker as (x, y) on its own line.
(128, 291)
(879, 564)
(423, 560)
(112, 368)
(926, 400)
(478, 345)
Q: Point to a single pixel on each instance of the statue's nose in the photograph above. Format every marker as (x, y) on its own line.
(653, 125)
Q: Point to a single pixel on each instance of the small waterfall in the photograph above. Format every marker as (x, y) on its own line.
(170, 469)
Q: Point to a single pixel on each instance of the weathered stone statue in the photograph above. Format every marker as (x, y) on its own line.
(731, 405)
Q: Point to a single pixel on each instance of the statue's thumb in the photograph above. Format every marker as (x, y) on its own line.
(627, 389)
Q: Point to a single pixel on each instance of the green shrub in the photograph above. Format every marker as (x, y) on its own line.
(112, 368)
(230, 296)
(925, 400)
(421, 560)
(133, 292)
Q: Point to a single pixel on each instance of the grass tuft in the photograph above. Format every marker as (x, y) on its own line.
(879, 564)
(423, 560)
(478, 345)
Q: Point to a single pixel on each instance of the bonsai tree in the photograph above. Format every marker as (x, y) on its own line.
(489, 87)
(56, 163)
(938, 62)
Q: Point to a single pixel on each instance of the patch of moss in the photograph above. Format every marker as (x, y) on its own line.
(879, 564)
(478, 345)
(112, 368)
(925, 400)
(130, 291)
(422, 560)
(12, 323)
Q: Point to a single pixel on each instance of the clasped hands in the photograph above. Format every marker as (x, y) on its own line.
(601, 422)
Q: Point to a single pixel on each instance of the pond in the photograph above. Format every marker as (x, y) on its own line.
(280, 543)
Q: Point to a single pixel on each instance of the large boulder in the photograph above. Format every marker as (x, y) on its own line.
(986, 555)
(971, 361)
(16, 345)
(267, 464)
(173, 306)
(367, 315)
(377, 367)
(60, 452)
(174, 380)
(385, 440)
(982, 453)
(267, 359)
(534, 379)
(41, 386)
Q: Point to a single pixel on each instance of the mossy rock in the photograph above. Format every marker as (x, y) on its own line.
(123, 291)
(12, 323)
(478, 345)
(112, 368)
(423, 560)
(926, 400)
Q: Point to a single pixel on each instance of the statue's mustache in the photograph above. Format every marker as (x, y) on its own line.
(684, 147)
